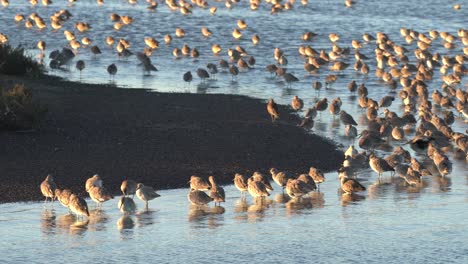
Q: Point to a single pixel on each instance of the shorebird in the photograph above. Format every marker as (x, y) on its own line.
(63, 196)
(412, 177)
(128, 187)
(78, 206)
(351, 185)
(99, 195)
(335, 106)
(272, 109)
(280, 177)
(256, 188)
(351, 132)
(146, 193)
(126, 205)
(199, 198)
(203, 74)
(112, 70)
(347, 119)
(296, 188)
(234, 72)
(297, 103)
(289, 78)
(216, 192)
(93, 181)
(317, 175)
(321, 105)
(188, 77)
(379, 165)
(48, 187)
(257, 176)
(197, 183)
(241, 183)
(213, 69)
(308, 180)
(80, 65)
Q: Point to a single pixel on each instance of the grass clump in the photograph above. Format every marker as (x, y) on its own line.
(18, 111)
(14, 61)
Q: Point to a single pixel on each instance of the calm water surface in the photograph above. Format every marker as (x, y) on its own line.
(389, 223)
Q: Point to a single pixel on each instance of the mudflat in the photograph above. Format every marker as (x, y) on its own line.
(159, 139)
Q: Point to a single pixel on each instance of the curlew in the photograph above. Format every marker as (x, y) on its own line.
(280, 177)
(199, 198)
(256, 188)
(272, 109)
(379, 165)
(80, 65)
(63, 196)
(216, 192)
(197, 183)
(289, 78)
(347, 119)
(351, 185)
(78, 206)
(321, 105)
(99, 195)
(317, 175)
(213, 69)
(296, 188)
(257, 176)
(297, 103)
(93, 181)
(203, 74)
(128, 187)
(187, 77)
(112, 70)
(146, 193)
(48, 187)
(240, 181)
(126, 205)
(308, 180)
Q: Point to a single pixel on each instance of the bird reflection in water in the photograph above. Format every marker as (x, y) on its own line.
(145, 218)
(48, 221)
(317, 199)
(282, 198)
(297, 206)
(97, 220)
(441, 184)
(125, 222)
(256, 211)
(381, 187)
(351, 198)
(79, 227)
(204, 216)
(65, 221)
(125, 225)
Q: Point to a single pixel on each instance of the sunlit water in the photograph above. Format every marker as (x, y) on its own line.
(390, 222)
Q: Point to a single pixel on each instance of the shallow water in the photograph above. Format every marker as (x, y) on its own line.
(389, 223)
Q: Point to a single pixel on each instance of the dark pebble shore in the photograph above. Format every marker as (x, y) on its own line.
(159, 139)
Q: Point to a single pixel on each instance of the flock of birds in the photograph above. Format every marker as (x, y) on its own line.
(407, 69)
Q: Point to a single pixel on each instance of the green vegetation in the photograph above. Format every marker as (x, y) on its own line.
(17, 109)
(14, 61)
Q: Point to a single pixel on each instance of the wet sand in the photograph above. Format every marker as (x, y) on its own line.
(160, 139)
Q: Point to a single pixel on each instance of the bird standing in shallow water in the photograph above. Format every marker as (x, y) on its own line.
(112, 70)
(128, 187)
(351, 185)
(80, 65)
(126, 205)
(241, 183)
(48, 187)
(146, 193)
(197, 197)
(188, 77)
(272, 109)
(379, 165)
(78, 206)
(216, 192)
(197, 183)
